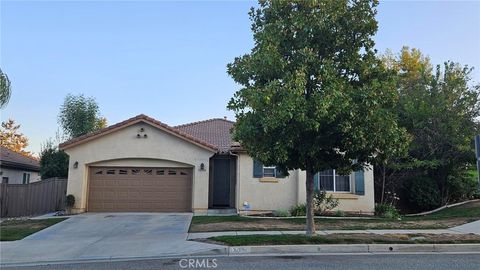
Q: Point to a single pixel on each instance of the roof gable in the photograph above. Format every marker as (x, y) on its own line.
(139, 118)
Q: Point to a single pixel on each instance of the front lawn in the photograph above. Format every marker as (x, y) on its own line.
(259, 240)
(12, 230)
(470, 211)
(443, 219)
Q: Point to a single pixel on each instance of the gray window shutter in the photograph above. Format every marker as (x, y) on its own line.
(257, 169)
(316, 185)
(359, 183)
(279, 172)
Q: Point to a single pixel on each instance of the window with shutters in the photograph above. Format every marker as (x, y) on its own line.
(260, 171)
(269, 171)
(330, 180)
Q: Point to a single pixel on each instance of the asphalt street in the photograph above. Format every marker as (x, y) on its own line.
(331, 262)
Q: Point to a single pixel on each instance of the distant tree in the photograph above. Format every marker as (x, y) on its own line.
(80, 115)
(12, 138)
(314, 95)
(5, 89)
(53, 162)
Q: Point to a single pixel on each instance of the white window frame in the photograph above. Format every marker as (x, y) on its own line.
(270, 168)
(334, 183)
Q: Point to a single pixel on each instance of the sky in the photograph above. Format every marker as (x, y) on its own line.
(168, 59)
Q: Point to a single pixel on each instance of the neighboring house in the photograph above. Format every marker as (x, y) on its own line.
(144, 165)
(17, 168)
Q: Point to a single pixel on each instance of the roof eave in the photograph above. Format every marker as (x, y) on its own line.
(16, 165)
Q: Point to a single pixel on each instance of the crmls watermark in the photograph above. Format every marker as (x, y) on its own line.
(198, 263)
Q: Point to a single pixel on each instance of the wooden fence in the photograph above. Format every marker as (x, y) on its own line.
(36, 198)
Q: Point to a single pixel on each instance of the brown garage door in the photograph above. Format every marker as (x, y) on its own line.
(139, 189)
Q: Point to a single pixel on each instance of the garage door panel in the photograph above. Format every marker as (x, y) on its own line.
(140, 189)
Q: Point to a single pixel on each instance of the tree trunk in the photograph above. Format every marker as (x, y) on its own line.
(310, 214)
(383, 182)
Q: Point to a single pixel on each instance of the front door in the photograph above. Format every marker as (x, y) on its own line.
(221, 183)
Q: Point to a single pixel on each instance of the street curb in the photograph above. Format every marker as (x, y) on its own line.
(338, 249)
(355, 248)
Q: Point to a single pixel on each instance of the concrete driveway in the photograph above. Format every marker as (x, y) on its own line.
(93, 236)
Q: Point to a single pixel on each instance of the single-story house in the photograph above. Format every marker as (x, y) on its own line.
(17, 168)
(144, 165)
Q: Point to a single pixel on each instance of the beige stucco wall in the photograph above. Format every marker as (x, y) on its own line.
(123, 148)
(281, 193)
(264, 193)
(16, 176)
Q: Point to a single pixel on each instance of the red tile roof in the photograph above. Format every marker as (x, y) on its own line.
(9, 158)
(216, 131)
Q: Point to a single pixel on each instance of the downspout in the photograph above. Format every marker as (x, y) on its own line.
(237, 183)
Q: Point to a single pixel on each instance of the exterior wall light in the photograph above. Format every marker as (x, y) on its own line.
(202, 166)
(75, 165)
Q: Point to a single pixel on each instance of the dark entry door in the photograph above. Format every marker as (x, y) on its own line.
(221, 183)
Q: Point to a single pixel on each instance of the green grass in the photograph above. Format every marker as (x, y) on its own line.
(259, 240)
(196, 220)
(461, 211)
(18, 229)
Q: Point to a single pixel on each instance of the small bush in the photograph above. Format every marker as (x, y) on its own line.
(322, 202)
(281, 213)
(339, 213)
(299, 210)
(462, 187)
(70, 201)
(386, 211)
(423, 193)
(53, 162)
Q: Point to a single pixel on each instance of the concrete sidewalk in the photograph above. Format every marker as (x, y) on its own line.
(472, 227)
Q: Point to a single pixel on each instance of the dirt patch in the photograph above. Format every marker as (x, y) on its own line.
(326, 224)
(255, 225)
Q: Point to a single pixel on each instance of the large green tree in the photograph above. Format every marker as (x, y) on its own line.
(439, 106)
(5, 89)
(313, 95)
(80, 115)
